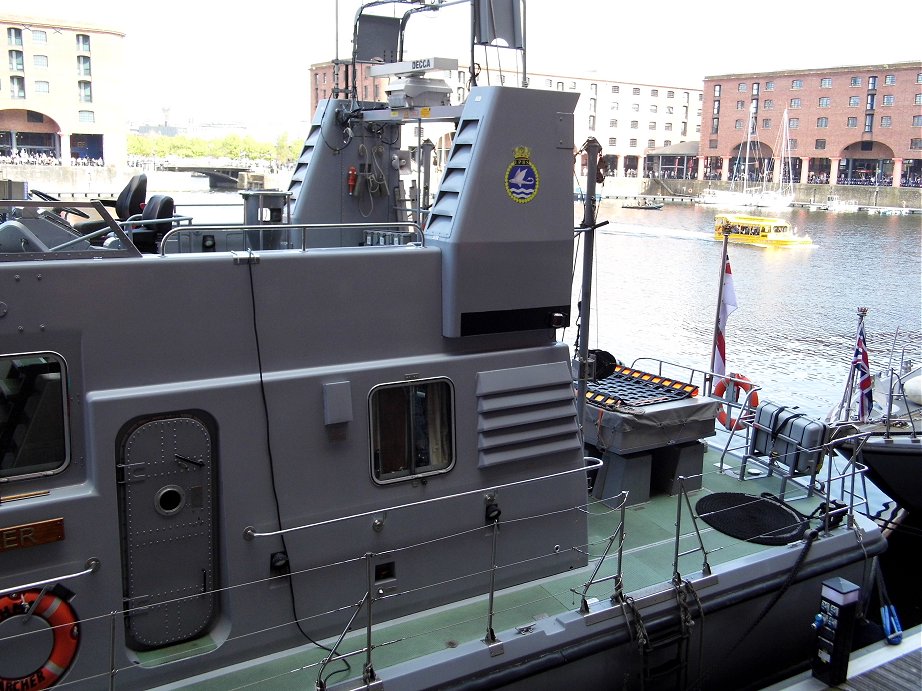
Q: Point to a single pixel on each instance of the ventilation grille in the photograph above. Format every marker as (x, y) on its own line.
(446, 202)
(525, 413)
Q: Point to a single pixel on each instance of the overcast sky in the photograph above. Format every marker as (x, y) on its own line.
(249, 62)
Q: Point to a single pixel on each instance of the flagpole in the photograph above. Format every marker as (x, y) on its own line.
(846, 401)
(720, 295)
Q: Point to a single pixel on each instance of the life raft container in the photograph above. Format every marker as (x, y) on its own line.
(740, 383)
(60, 616)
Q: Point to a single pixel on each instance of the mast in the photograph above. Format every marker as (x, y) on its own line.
(845, 405)
(588, 225)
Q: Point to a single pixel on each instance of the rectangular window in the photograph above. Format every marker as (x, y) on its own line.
(742, 87)
(793, 123)
(741, 105)
(854, 101)
(636, 91)
(654, 109)
(826, 83)
(33, 436)
(917, 120)
(792, 144)
(738, 124)
(670, 110)
(634, 124)
(85, 90)
(915, 143)
(797, 84)
(714, 125)
(86, 116)
(14, 37)
(712, 143)
(635, 107)
(919, 78)
(572, 86)
(39, 36)
(795, 103)
(888, 100)
(769, 86)
(17, 87)
(559, 86)
(615, 105)
(716, 107)
(591, 105)
(851, 122)
(667, 142)
(412, 431)
(670, 94)
(768, 104)
(613, 141)
(872, 102)
(83, 66)
(824, 102)
(917, 100)
(42, 87)
(822, 123)
(83, 43)
(592, 123)
(633, 143)
(654, 92)
(885, 121)
(855, 81)
(766, 123)
(16, 61)
(890, 79)
(594, 89)
(717, 91)
(820, 144)
(612, 123)
(668, 127)
(755, 88)
(32, 116)
(872, 83)
(651, 143)
(549, 83)
(652, 126)
(40, 61)
(615, 89)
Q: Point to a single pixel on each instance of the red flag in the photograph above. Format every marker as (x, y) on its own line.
(727, 306)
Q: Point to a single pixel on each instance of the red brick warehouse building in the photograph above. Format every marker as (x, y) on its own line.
(858, 125)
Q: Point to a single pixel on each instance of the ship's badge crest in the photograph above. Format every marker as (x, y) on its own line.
(522, 177)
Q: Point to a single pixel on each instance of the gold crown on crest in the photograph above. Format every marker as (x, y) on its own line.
(521, 153)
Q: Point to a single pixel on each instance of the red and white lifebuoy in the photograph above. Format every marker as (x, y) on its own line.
(66, 634)
(740, 383)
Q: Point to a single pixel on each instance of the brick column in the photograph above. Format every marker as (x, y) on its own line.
(897, 171)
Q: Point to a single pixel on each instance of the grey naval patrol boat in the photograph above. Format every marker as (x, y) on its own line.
(340, 445)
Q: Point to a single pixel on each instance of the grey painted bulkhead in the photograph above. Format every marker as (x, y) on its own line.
(243, 347)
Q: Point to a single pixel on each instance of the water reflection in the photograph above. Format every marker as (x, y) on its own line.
(655, 292)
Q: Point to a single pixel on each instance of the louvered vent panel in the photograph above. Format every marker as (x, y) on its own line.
(525, 413)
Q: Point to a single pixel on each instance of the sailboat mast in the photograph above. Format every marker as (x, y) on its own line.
(720, 297)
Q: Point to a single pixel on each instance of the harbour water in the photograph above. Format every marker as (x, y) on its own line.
(793, 333)
(655, 293)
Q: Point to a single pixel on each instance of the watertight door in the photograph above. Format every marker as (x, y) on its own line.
(167, 506)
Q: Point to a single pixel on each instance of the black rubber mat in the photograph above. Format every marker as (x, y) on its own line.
(763, 520)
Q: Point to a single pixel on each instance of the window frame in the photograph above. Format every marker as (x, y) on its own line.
(36, 470)
(376, 416)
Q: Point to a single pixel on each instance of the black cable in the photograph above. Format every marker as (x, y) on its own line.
(275, 494)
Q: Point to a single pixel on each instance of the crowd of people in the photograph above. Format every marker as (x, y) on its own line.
(24, 157)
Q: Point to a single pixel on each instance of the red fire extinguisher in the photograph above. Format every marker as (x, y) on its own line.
(351, 178)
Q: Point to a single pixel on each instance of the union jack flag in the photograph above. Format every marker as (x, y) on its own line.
(863, 376)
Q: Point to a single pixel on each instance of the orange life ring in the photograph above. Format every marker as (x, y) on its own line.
(63, 622)
(741, 384)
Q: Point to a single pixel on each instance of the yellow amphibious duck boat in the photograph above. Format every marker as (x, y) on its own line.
(758, 230)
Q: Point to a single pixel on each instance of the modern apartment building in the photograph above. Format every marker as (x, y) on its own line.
(62, 92)
(846, 125)
(628, 119)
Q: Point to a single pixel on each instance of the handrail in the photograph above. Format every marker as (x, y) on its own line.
(249, 533)
(92, 566)
(294, 226)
